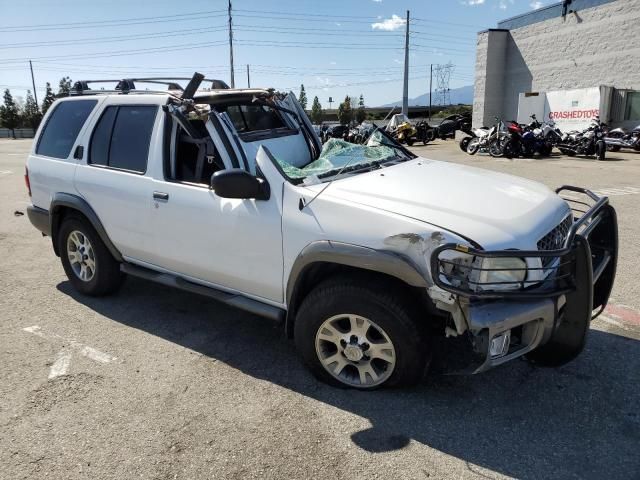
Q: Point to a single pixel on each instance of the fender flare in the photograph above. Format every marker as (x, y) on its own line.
(74, 202)
(330, 252)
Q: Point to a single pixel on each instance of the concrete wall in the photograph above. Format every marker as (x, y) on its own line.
(488, 92)
(591, 47)
(20, 133)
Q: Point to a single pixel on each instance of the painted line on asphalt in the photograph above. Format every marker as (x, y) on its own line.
(61, 365)
(5, 172)
(63, 359)
(622, 313)
(615, 191)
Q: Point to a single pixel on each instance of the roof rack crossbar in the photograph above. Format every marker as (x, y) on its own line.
(126, 85)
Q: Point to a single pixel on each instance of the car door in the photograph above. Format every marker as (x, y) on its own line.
(233, 244)
(114, 177)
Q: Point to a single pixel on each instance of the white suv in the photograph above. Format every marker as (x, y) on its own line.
(365, 252)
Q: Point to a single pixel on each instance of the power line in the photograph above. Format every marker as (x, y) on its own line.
(81, 25)
(118, 53)
(118, 38)
(58, 24)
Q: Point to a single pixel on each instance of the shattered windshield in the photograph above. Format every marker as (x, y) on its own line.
(340, 156)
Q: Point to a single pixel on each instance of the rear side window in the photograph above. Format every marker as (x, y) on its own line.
(62, 128)
(122, 136)
(251, 118)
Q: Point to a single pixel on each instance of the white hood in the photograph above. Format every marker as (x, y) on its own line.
(496, 210)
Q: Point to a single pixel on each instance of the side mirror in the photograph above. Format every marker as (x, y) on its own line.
(238, 183)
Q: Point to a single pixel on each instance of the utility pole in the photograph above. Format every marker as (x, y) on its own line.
(430, 88)
(233, 83)
(330, 102)
(33, 82)
(248, 77)
(405, 90)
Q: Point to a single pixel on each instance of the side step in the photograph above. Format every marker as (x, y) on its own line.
(234, 300)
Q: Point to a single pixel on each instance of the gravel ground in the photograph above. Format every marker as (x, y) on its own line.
(162, 384)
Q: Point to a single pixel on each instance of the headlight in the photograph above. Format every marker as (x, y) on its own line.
(493, 272)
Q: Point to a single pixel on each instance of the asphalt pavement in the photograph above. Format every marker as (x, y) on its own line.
(161, 384)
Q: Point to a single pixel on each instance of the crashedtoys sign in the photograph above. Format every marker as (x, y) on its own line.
(568, 109)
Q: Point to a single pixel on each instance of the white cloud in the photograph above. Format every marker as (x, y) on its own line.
(473, 3)
(536, 5)
(377, 1)
(504, 4)
(389, 24)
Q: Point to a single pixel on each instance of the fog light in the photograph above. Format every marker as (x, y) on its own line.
(500, 344)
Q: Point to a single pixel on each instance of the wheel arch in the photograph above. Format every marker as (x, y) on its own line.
(322, 259)
(64, 203)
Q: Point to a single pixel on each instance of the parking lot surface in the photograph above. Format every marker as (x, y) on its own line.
(158, 383)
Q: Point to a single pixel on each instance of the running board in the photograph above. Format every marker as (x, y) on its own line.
(231, 299)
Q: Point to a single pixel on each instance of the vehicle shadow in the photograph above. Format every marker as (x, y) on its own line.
(580, 420)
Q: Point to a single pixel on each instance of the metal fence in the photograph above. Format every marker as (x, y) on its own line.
(20, 133)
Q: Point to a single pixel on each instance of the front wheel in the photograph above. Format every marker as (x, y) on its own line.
(601, 150)
(410, 141)
(464, 143)
(360, 336)
(473, 146)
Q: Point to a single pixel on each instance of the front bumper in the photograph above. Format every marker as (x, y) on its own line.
(572, 287)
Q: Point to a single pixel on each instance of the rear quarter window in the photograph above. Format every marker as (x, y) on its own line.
(122, 136)
(62, 128)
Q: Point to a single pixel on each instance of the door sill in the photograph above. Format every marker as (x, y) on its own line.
(232, 299)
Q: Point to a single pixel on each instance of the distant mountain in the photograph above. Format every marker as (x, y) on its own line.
(458, 95)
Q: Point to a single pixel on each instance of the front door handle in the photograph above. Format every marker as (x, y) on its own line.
(161, 196)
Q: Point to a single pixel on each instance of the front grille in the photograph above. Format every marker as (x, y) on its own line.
(555, 239)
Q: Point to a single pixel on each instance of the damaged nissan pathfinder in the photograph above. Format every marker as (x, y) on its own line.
(365, 253)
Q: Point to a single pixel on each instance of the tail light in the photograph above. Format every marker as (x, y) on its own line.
(26, 180)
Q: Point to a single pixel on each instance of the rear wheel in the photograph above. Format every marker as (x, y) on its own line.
(464, 143)
(360, 336)
(410, 141)
(89, 265)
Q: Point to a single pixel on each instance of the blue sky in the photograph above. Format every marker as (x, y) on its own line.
(334, 47)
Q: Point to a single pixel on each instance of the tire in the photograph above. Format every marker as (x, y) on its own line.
(77, 238)
(344, 308)
(497, 147)
(464, 143)
(473, 146)
(601, 150)
(410, 141)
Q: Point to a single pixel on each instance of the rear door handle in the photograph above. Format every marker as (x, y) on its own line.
(161, 196)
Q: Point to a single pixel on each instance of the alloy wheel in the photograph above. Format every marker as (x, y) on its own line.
(355, 350)
(81, 256)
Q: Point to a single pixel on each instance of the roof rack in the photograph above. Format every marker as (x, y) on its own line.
(128, 85)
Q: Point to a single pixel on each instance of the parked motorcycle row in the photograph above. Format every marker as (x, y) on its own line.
(503, 139)
(536, 139)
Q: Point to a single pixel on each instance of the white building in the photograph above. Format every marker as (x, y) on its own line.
(568, 61)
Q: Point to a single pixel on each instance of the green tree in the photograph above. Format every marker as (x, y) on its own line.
(345, 112)
(303, 97)
(361, 114)
(64, 87)
(9, 113)
(49, 98)
(31, 114)
(316, 111)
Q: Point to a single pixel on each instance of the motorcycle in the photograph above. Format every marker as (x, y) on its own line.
(526, 140)
(588, 142)
(425, 132)
(487, 140)
(620, 138)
